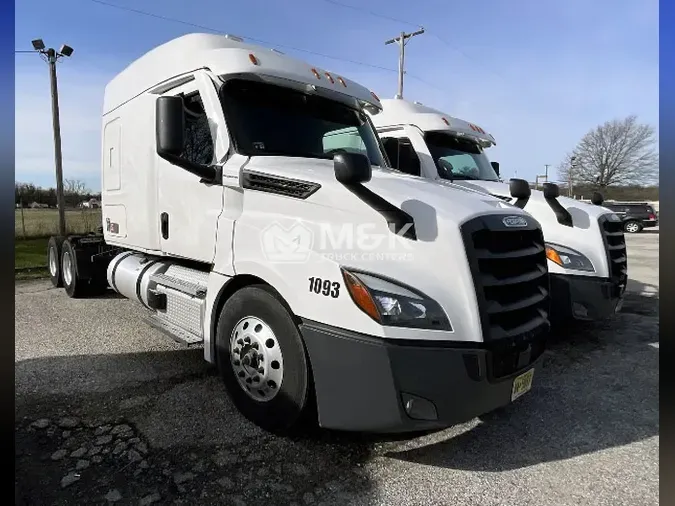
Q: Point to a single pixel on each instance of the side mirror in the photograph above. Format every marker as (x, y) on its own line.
(447, 169)
(551, 191)
(170, 137)
(495, 167)
(520, 189)
(170, 126)
(597, 198)
(352, 168)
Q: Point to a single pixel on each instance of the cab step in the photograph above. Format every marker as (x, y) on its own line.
(175, 332)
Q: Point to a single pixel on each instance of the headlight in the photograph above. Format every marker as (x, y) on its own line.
(392, 304)
(568, 258)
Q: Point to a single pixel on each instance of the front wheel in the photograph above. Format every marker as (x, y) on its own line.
(632, 227)
(262, 359)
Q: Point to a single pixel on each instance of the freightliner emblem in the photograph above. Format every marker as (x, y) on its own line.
(514, 221)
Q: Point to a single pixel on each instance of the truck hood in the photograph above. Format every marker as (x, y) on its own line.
(585, 236)
(500, 189)
(456, 203)
(436, 263)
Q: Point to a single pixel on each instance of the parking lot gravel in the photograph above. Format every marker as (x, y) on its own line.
(109, 411)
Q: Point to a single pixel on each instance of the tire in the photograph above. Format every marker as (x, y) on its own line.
(632, 227)
(54, 247)
(257, 314)
(73, 285)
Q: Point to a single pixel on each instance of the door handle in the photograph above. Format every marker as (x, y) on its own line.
(164, 222)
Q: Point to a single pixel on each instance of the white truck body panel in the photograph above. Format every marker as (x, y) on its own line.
(437, 228)
(400, 118)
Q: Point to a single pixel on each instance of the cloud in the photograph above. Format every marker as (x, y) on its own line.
(80, 105)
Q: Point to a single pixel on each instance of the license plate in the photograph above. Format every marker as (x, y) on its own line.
(522, 384)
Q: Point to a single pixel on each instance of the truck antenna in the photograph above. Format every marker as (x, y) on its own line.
(402, 40)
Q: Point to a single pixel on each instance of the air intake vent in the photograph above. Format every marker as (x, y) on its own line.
(510, 276)
(502, 197)
(278, 185)
(615, 245)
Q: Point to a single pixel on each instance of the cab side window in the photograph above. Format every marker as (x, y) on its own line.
(402, 155)
(347, 139)
(199, 146)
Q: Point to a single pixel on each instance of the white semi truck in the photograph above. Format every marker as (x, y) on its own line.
(585, 243)
(320, 282)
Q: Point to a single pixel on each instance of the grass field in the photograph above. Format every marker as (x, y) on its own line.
(32, 231)
(30, 258)
(45, 222)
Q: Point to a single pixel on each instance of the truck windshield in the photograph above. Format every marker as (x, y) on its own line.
(270, 120)
(457, 158)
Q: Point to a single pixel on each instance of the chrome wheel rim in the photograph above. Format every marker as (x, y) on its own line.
(52, 261)
(256, 359)
(632, 227)
(67, 268)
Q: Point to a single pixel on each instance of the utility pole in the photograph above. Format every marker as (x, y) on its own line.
(546, 166)
(51, 56)
(402, 40)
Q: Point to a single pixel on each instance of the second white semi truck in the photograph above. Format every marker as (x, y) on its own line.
(320, 282)
(585, 243)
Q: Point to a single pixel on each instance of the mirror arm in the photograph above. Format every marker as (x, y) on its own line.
(217, 177)
(209, 174)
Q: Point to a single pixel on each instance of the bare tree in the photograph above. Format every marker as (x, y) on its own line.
(618, 152)
(73, 191)
(74, 186)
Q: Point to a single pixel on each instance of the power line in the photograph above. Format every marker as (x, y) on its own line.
(372, 13)
(214, 30)
(410, 23)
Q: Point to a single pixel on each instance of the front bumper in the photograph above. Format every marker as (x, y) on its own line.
(364, 383)
(584, 298)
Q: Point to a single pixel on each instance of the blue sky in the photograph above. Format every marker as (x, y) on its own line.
(536, 74)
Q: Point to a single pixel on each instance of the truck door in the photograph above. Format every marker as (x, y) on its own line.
(407, 151)
(189, 210)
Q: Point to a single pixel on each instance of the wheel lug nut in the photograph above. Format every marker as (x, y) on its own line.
(240, 342)
(247, 340)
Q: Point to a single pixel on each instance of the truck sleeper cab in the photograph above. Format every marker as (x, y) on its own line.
(585, 244)
(321, 282)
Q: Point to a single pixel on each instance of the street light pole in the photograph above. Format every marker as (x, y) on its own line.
(58, 159)
(52, 56)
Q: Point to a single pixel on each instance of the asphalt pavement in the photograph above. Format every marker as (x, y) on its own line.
(109, 410)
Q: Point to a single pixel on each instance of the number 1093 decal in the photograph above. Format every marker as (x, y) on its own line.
(324, 287)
